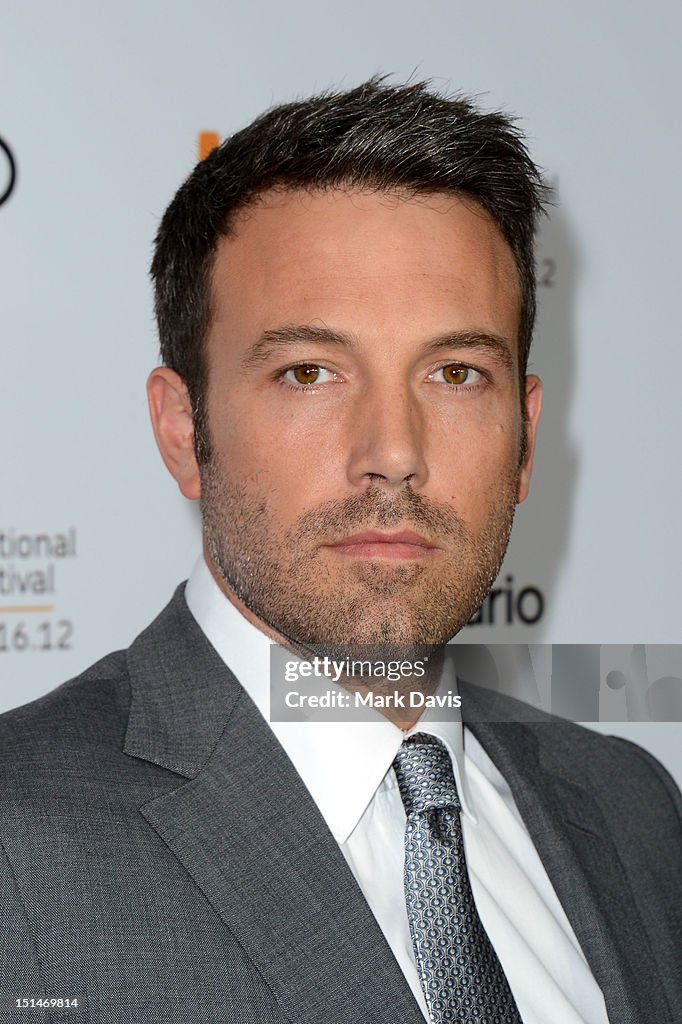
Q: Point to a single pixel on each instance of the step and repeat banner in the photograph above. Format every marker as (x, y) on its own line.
(104, 111)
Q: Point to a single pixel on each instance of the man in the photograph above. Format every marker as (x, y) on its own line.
(345, 297)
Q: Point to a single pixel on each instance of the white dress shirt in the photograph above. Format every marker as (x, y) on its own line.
(544, 964)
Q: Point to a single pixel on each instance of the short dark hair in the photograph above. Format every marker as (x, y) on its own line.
(376, 136)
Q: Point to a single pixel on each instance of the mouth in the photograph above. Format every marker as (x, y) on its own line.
(375, 544)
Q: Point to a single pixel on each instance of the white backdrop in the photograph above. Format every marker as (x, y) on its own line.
(101, 109)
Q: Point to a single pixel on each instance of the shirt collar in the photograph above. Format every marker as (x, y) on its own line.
(342, 763)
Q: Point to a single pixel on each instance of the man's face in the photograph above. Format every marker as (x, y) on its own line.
(363, 415)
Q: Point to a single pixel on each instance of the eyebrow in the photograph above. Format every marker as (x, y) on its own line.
(282, 338)
(482, 341)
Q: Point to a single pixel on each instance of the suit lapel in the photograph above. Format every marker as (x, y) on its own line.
(581, 860)
(247, 831)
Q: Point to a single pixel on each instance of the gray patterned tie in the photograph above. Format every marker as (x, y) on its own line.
(460, 973)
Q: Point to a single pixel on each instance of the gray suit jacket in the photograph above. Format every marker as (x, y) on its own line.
(162, 861)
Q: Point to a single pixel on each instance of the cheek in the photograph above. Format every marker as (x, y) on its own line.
(474, 464)
(287, 469)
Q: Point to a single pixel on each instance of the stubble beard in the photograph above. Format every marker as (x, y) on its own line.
(324, 601)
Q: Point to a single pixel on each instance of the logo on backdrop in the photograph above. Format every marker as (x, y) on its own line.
(30, 565)
(8, 172)
(508, 604)
(206, 143)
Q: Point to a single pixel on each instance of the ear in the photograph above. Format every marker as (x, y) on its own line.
(171, 412)
(533, 406)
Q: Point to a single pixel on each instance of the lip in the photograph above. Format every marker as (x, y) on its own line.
(375, 544)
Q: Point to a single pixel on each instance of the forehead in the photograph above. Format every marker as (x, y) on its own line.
(366, 260)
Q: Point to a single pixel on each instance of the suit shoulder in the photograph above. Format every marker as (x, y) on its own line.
(576, 745)
(90, 709)
(620, 774)
(625, 778)
(648, 766)
(577, 741)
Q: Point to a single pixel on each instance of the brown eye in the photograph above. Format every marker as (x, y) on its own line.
(456, 374)
(306, 374)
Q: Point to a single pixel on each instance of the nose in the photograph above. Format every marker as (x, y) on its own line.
(387, 439)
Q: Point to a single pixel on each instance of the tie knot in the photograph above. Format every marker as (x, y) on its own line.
(425, 776)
